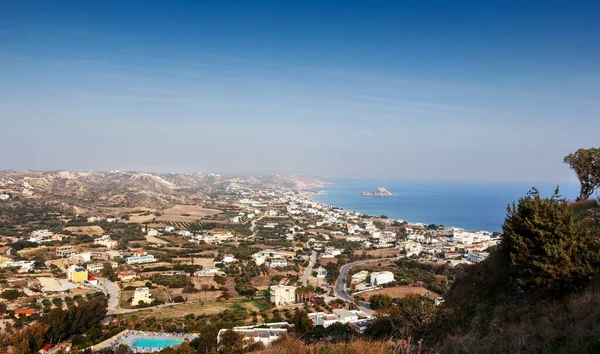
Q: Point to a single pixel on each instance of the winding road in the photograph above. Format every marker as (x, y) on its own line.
(308, 270)
(253, 226)
(340, 284)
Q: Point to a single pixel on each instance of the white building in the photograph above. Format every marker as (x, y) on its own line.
(94, 267)
(40, 236)
(360, 276)
(477, 257)
(148, 258)
(4, 196)
(322, 319)
(338, 316)
(106, 241)
(111, 219)
(229, 258)
(283, 294)
(209, 272)
(411, 247)
(93, 219)
(334, 251)
(24, 266)
(354, 239)
(152, 233)
(278, 262)
(265, 333)
(345, 316)
(259, 259)
(141, 295)
(185, 233)
(169, 229)
(379, 278)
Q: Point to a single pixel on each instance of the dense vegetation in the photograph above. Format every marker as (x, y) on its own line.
(61, 323)
(171, 281)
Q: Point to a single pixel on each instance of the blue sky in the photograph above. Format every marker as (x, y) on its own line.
(364, 89)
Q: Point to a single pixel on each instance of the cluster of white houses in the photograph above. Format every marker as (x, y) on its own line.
(267, 333)
(275, 258)
(41, 236)
(339, 316)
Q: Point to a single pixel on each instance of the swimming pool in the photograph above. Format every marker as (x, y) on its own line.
(155, 343)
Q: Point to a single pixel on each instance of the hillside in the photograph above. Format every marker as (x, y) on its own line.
(134, 189)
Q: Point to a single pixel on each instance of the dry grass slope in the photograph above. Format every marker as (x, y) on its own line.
(293, 345)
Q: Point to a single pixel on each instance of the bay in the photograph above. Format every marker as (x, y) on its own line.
(469, 205)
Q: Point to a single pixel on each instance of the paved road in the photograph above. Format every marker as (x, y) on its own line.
(340, 284)
(308, 270)
(114, 294)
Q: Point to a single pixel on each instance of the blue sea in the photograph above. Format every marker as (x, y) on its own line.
(469, 205)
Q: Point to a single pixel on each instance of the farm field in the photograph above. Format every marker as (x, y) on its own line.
(185, 213)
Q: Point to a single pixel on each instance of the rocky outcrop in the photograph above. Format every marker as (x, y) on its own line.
(380, 192)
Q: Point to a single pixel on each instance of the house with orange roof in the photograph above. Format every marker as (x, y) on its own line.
(24, 313)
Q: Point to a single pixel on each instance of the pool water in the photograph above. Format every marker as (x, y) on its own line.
(155, 343)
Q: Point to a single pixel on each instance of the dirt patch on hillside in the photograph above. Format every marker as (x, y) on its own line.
(261, 282)
(86, 230)
(209, 307)
(381, 253)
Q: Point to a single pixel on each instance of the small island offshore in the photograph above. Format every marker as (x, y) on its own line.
(380, 192)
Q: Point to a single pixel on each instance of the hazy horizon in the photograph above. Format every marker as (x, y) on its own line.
(367, 90)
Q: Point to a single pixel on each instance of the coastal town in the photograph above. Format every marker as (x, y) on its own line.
(256, 256)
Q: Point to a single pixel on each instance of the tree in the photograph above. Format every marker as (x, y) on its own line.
(122, 349)
(30, 339)
(546, 245)
(206, 339)
(380, 302)
(357, 302)
(12, 294)
(411, 316)
(302, 324)
(230, 341)
(107, 271)
(337, 329)
(586, 164)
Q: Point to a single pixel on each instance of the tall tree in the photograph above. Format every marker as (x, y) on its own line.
(302, 324)
(547, 246)
(586, 164)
